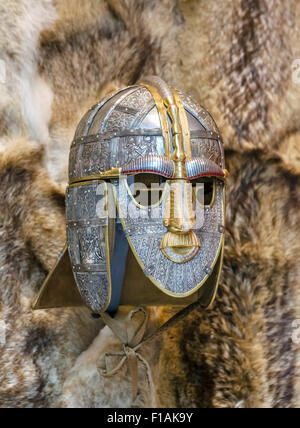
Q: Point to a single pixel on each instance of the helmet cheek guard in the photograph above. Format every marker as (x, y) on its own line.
(124, 251)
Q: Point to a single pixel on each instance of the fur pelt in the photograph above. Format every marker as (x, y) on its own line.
(37, 348)
(25, 98)
(235, 57)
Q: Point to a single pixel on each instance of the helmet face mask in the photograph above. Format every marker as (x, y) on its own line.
(179, 241)
(147, 175)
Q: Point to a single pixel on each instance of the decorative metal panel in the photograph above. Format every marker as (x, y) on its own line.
(87, 242)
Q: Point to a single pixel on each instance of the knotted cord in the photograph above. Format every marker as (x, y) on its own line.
(132, 339)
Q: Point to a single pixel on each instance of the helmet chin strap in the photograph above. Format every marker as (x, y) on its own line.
(118, 267)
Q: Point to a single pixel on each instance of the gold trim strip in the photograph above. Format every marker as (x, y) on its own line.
(146, 208)
(213, 197)
(218, 277)
(184, 125)
(108, 261)
(111, 174)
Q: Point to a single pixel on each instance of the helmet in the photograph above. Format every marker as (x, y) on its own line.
(145, 204)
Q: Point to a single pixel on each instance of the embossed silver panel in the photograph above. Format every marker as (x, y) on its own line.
(100, 145)
(86, 236)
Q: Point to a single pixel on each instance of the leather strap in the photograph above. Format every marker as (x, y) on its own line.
(132, 339)
(118, 267)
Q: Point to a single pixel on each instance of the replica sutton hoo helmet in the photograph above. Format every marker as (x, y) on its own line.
(157, 156)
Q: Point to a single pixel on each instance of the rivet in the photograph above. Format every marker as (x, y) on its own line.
(208, 271)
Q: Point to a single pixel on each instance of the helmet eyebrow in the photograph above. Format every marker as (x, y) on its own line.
(154, 164)
(161, 165)
(203, 167)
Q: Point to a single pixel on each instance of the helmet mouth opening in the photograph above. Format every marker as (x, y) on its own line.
(180, 248)
(183, 251)
(180, 254)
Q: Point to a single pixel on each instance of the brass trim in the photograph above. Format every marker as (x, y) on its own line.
(179, 156)
(226, 174)
(107, 251)
(108, 263)
(184, 125)
(218, 277)
(142, 207)
(110, 174)
(213, 197)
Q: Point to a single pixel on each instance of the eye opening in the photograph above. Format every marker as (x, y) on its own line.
(148, 190)
(208, 185)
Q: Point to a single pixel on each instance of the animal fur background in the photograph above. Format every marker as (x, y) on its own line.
(235, 57)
